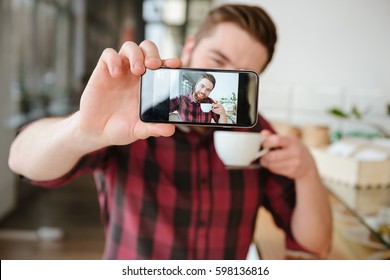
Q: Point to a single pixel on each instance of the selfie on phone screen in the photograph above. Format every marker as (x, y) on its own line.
(199, 96)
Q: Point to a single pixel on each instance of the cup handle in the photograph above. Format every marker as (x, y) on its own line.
(260, 153)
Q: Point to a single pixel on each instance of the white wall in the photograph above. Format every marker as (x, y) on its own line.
(328, 53)
(333, 42)
(226, 83)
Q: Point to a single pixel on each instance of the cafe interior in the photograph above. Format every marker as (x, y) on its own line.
(328, 84)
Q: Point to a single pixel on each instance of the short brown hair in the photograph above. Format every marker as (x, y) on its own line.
(209, 77)
(252, 19)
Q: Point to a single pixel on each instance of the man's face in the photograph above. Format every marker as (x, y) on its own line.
(202, 90)
(229, 47)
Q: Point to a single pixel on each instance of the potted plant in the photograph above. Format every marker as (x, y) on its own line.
(355, 114)
(230, 104)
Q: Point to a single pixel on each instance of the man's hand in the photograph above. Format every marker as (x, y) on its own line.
(220, 110)
(109, 106)
(288, 156)
(108, 115)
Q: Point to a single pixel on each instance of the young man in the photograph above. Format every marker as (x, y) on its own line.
(171, 197)
(189, 108)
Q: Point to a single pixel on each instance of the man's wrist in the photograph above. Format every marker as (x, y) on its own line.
(83, 141)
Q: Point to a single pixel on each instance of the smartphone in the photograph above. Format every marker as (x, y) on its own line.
(205, 97)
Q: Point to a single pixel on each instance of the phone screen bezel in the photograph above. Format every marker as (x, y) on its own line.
(247, 102)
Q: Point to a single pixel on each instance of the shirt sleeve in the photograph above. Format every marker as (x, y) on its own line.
(174, 104)
(215, 117)
(87, 164)
(279, 197)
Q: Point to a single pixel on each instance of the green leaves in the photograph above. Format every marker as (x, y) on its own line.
(231, 99)
(338, 113)
(355, 113)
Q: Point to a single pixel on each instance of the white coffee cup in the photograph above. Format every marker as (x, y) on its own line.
(238, 148)
(206, 107)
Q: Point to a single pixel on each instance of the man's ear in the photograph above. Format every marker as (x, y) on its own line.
(187, 50)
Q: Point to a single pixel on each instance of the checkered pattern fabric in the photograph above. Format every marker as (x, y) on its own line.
(189, 110)
(172, 198)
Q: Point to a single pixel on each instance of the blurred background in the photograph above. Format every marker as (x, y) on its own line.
(331, 70)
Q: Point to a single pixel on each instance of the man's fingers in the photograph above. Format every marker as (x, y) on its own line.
(278, 155)
(172, 62)
(165, 130)
(286, 167)
(266, 133)
(134, 56)
(277, 141)
(151, 55)
(113, 61)
(145, 130)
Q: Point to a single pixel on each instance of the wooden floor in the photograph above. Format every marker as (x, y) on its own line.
(73, 209)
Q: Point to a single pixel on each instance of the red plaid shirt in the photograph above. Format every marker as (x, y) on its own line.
(172, 198)
(189, 110)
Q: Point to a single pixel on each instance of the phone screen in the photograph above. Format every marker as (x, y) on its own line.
(204, 97)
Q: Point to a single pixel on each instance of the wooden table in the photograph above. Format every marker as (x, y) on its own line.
(270, 239)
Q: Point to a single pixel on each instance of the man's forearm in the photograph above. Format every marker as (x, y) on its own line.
(49, 148)
(312, 222)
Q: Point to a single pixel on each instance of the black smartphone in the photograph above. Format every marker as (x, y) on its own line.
(206, 97)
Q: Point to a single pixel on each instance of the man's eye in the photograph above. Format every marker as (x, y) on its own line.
(218, 62)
